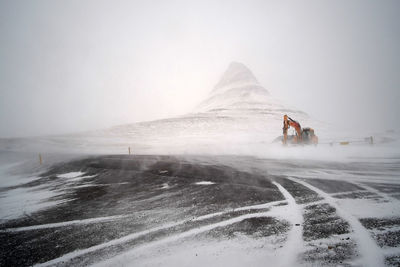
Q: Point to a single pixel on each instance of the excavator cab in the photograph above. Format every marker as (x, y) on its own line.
(308, 136)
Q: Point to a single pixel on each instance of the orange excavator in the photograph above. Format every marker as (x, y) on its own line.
(303, 136)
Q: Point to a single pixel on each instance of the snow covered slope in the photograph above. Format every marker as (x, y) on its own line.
(238, 113)
(238, 89)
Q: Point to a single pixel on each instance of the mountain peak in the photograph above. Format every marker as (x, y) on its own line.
(237, 89)
(236, 74)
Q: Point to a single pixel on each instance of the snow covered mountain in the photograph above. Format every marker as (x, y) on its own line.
(237, 115)
(238, 112)
(239, 90)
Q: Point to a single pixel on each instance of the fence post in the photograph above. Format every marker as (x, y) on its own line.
(40, 159)
(129, 150)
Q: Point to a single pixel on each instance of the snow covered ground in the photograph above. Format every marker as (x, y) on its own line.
(216, 210)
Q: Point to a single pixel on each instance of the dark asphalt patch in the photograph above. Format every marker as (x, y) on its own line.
(339, 254)
(300, 193)
(333, 186)
(380, 223)
(35, 246)
(321, 221)
(358, 195)
(387, 239)
(385, 187)
(385, 236)
(393, 261)
(253, 227)
(396, 196)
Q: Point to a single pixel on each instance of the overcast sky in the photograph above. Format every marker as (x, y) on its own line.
(68, 66)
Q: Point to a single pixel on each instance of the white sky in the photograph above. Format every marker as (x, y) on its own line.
(68, 66)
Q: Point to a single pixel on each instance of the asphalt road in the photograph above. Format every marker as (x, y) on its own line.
(110, 205)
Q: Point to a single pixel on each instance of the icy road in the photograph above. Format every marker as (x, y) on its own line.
(201, 211)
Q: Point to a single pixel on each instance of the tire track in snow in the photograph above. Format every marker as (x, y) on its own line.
(385, 196)
(65, 223)
(371, 253)
(133, 236)
(391, 251)
(294, 244)
(177, 237)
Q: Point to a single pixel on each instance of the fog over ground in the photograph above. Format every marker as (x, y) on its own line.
(69, 66)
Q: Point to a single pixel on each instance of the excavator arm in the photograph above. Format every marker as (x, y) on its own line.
(287, 123)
